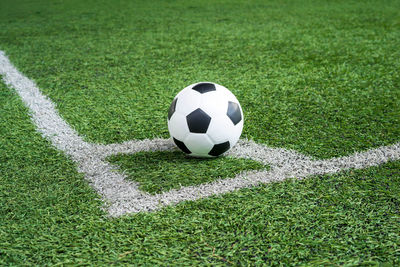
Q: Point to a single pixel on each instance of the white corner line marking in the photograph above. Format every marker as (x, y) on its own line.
(122, 196)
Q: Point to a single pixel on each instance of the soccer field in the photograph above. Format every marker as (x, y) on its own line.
(89, 176)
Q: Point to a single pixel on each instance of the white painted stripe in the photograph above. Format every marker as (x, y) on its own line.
(122, 196)
(110, 184)
(295, 166)
(133, 146)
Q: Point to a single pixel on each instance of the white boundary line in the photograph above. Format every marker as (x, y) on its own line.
(122, 196)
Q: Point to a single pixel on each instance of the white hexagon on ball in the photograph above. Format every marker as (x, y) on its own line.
(205, 120)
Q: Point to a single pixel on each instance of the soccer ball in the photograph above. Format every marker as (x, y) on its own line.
(205, 120)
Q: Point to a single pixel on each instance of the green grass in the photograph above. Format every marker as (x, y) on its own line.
(320, 77)
(49, 215)
(158, 172)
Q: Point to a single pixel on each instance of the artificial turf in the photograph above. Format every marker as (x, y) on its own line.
(320, 77)
(158, 172)
(317, 76)
(50, 215)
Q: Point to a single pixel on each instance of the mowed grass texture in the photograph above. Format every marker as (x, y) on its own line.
(50, 215)
(158, 172)
(321, 77)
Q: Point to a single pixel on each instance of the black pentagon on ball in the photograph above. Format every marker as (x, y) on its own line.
(218, 149)
(172, 108)
(234, 112)
(181, 145)
(204, 87)
(198, 121)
